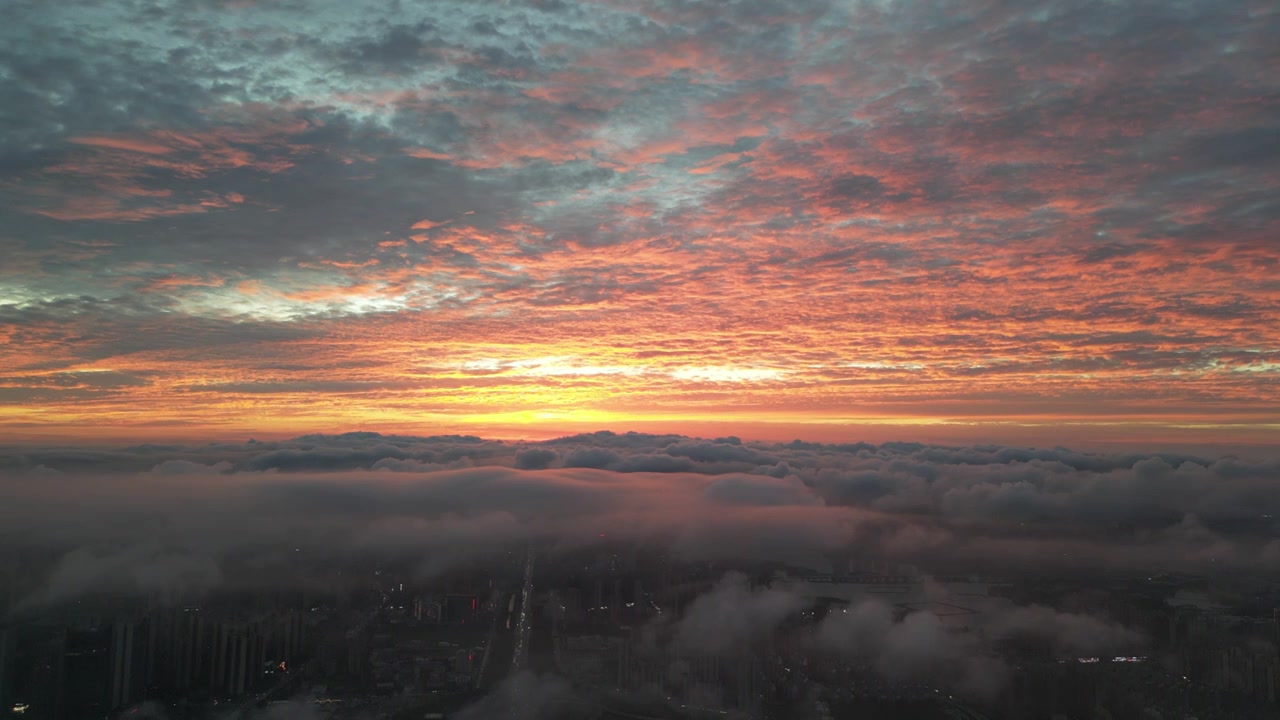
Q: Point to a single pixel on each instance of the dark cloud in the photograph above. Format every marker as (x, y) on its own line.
(656, 463)
(591, 457)
(718, 452)
(535, 458)
(401, 49)
(1256, 147)
(856, 187)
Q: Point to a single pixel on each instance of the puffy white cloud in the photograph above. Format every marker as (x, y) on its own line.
(729, 617)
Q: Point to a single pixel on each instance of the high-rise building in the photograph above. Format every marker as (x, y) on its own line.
(86, 670)
(735, 681)
(128, 665)
(233, 647)
(8, 641)
(177, 640)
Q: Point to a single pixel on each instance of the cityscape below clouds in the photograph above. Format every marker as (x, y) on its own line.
(608, 575)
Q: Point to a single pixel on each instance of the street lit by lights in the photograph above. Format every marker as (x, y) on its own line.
(1116, 659)
(21, 708)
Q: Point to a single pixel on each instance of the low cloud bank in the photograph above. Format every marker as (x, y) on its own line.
(149, 517)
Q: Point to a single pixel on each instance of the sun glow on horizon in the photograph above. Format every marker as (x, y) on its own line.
(661, 215)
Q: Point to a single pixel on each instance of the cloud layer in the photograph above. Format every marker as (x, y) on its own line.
(157, 518)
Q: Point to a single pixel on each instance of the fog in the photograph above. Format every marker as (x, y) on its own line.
(152, 518)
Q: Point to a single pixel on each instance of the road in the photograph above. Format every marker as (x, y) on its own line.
(520, 655)
(495, 665)
(507, 650)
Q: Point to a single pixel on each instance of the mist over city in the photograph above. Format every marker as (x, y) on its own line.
(638, 575)
(639, 360)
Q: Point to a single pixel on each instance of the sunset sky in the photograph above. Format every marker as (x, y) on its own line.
(1005, 220)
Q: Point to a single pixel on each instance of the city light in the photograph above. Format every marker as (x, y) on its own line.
(1116, 659)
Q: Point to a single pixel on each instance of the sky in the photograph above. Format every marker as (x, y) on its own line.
(1034, 222)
